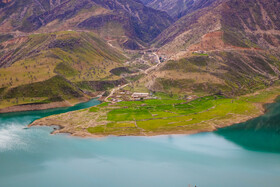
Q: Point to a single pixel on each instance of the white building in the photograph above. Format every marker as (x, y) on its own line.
(139, 95)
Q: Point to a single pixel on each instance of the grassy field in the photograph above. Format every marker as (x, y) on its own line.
(157, 116)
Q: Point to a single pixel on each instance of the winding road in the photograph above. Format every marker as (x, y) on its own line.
(138, 73)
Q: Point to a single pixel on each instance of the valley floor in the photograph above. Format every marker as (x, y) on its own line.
(161, 116)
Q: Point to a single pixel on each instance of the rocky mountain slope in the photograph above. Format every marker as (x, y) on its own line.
(178, 8)
(240, 23)
(129, 22)
(230, 47)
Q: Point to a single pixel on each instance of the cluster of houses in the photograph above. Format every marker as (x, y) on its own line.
(139, 96)
(199, 52)
(130, 96)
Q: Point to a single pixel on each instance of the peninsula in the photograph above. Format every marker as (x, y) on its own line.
(165, 115)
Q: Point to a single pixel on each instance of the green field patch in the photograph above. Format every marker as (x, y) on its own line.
(131, 103)
(115, 129)
(164, 107)
(151, 102)
(156, 116)
(163, 95)
(103, 105)
(162, 114)
(93, 109)
(120, 125)
(152, 125)
(96, 130)
(128, 114)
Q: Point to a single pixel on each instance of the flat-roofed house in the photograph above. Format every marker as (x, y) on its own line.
(139, 96)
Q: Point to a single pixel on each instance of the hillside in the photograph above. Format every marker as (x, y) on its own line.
(129, 23)
(228, 73)
(229, 47)
(51, 66)
(231, 24)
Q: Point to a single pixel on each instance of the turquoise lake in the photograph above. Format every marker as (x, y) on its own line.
(246, 154)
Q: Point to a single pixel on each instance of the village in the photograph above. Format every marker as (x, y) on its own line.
(120, 94)
(125, 95)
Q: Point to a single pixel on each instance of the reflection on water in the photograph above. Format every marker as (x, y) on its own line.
(33, 157)
(260, 134)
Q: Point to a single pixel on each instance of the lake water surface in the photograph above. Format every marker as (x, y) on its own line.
(246, 154)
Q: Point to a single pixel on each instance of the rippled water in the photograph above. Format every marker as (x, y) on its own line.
(246, 154)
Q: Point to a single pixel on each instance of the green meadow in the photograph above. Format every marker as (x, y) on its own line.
(160, 116)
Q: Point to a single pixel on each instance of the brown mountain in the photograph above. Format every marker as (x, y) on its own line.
(230, 46)
(238, 23)
(178, 8)
(128, 21)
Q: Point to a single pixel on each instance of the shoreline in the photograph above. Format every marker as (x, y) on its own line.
(215, 123)
(40, 106)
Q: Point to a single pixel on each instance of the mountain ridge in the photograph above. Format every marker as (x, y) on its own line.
(226, 17)
(132, 17)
